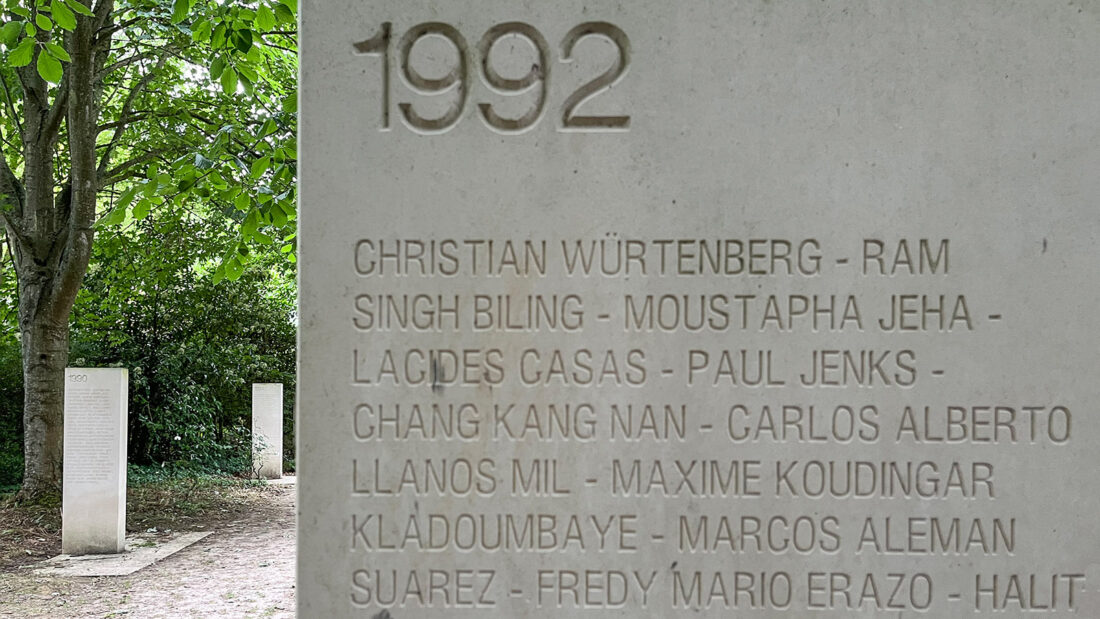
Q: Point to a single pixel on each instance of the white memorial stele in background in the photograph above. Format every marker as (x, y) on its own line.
(94, 474)
(267, 430)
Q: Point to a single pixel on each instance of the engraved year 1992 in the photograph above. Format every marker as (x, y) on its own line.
(456, 83)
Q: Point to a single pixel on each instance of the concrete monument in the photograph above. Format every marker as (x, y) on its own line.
(722, 308)
(267, 430)
(94, 469)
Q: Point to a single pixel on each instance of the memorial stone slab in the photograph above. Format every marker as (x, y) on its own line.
(94, 470)
(267, 430)
(729, 308)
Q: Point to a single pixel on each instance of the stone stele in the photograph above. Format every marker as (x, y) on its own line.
(267, 430)
(720, 308)
(94, 474)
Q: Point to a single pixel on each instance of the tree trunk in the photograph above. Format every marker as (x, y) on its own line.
(45, 354)
(47, 289)
(49, 275)
(51, 232)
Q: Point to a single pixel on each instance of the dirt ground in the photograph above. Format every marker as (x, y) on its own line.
(245, 569)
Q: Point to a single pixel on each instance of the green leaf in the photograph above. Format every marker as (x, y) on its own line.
(9, 34)
(278, 216)
(127, 197)
(217, 67)
(218, 181)
(50, 68)
(203, 163)
(219, 274)
(260, 166)
(77, 6)
(290, 103)
(247, 72)
(217, 38)
(115, 217)
(43, 22)
(265, 18)
(242, 40)
(234, 269)
(58, 52)
(250, 223)
(245, 82)
(63, 15)
(142, 208)
(291, 4)
(20, 11)
(229, 81)
(200, 32)
(180, 9)
(243, 201)
(30, 29)
(284, 15)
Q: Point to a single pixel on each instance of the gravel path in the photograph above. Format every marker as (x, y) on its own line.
(245, 569)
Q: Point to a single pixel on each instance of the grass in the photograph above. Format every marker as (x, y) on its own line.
(158, 501)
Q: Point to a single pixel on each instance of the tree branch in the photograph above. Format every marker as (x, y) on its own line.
(10, 189)
(78, 199)
(115, 174)
(34, 100)
(127, 106)
(7, 142)
(102, 12)
(135, 117)
(279, 47)
(11, 104)
(14, 231)
(125, 62)
(60, 106)
(104, 34)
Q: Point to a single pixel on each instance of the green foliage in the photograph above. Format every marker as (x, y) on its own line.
(11, 384)
(194, 347)
(11, 412)
(50, 68)
(181, 475)
(23, 53)
(179, 139)
(197, 186)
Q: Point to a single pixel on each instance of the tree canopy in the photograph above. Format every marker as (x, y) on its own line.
(117, 109)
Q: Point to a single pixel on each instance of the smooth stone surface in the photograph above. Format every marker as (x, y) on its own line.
(141, 552)
(267, 430)
(94, 473)
(830, 351)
